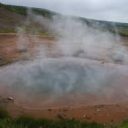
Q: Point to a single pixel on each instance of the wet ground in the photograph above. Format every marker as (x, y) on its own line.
(108, 104)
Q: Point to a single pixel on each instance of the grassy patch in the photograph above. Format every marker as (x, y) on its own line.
(124, 124)
(33, 123)
(28, 122)
(4, 114)
(42, 123)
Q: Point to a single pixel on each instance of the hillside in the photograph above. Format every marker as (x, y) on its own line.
(9, 19)
(13, 16)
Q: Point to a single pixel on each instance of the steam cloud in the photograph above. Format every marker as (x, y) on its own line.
(82, 61)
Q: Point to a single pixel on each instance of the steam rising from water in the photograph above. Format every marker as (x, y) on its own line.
(75, 38)
(72, 68)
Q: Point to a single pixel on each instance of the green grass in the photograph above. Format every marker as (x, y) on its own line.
(4, 114)
(33, 123)
(24, 10)
(6, 121)
(28, 122)
(124, 124)
(123, 31)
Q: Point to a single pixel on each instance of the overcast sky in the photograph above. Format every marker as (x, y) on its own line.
(111, 10)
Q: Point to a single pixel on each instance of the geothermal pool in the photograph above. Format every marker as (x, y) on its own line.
(65, 81)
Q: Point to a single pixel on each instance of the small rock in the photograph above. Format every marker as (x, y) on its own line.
(84, 116)
(10, 99)
(98, 110)
(60, 116)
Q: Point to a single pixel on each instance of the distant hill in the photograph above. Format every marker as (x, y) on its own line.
(115, 27)
(13, 16)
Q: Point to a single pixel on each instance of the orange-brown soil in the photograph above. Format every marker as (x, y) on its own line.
(113, 113)
(9, 51)
(108, 112)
